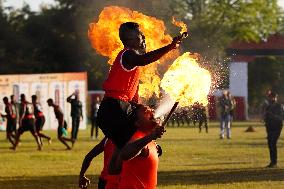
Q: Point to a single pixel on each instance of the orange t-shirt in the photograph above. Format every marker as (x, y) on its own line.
(121, 83)
(112, 182)
(108, 149)
(140, 172)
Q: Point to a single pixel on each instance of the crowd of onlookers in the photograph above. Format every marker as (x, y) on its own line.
(197, 114)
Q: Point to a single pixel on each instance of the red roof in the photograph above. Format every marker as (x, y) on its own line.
(273, 43)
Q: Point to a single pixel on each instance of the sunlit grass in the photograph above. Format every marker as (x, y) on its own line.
(190, 160)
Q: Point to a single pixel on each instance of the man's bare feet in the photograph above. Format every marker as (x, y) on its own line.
(68, 148)
(73, 142)
(49, 141)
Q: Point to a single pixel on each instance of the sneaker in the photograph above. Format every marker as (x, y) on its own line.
(221, 137)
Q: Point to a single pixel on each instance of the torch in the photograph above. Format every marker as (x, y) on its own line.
(184, 35)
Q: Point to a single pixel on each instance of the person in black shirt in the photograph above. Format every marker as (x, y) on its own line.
(273, 121)
(94, 114)
(76, 113)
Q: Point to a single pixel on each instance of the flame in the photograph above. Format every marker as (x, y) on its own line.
(180, 24)
(186, 82)
(104, 37)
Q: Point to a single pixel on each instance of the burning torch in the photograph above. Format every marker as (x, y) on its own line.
(184, 35)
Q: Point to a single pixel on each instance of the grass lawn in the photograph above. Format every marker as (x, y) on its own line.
(190, 160)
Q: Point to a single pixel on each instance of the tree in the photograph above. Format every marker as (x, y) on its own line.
(213, 25)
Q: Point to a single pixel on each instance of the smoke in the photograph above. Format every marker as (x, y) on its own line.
(164, 106)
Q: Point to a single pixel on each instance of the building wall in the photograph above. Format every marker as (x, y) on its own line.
(239, 82)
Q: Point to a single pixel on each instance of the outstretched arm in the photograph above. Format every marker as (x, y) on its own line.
(99, 148)
(69, 98)
(132, 58)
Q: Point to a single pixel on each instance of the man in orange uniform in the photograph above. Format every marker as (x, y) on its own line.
(138, 159)
(39, 119)
(107, 147)
(26, 122)
(11, 120)
(121, 86)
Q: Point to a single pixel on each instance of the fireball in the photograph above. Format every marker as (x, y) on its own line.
(186, 82)
(104, 37)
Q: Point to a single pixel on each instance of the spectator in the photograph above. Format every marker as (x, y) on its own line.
(94, 114)
(76, 113)
(273, 121)
(226, 106)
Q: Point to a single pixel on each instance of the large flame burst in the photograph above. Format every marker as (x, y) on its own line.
(186, 82)
(104, 37)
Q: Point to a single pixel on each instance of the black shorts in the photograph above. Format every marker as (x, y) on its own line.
(101, 184)
(113, 120)
(27, 125)
(11, 125)
(39, 123)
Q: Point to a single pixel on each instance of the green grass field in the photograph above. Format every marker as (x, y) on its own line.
(190, 160)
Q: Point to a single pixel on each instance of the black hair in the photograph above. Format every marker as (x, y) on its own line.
(124, 30)
(5, 99)
(49, 100)
(23, 96)
(34, 97)
(133, 115)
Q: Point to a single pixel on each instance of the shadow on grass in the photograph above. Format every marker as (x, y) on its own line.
(46, 182)
(219, 176)
(196, 177)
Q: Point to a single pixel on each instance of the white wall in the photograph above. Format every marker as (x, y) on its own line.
(239, 80)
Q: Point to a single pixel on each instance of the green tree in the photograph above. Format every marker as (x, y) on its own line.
(213, 25)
